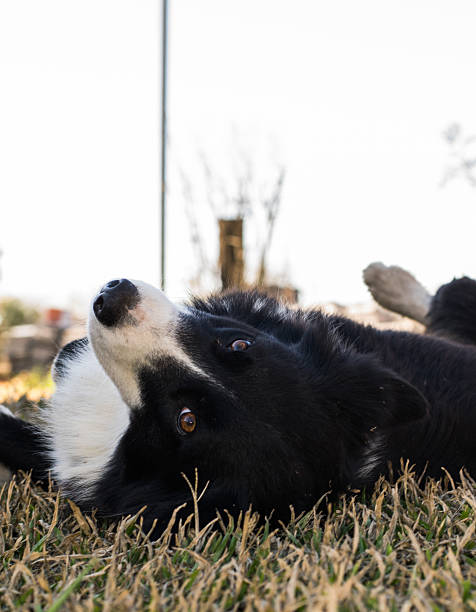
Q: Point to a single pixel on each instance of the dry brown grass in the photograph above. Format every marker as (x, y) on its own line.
(26, 387)
(407, 547)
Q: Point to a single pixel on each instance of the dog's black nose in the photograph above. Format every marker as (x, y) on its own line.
(114, 301)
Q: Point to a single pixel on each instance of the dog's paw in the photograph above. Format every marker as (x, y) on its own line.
(396, 289)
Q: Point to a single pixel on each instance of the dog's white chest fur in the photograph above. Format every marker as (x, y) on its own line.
(84, 420)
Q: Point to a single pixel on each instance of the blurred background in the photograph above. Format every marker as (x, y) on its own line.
(305, 139)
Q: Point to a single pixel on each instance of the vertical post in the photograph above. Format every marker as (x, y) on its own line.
(231, 253)
(163, 143)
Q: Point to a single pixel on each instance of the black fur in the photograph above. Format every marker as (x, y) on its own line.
(453, 311)
(66, 354)
(316, 403)
(23, 448)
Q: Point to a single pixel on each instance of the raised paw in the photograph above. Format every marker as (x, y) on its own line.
(396, 289)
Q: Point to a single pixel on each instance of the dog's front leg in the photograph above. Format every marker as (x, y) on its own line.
(22, 446)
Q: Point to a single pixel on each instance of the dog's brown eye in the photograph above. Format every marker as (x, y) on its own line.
(186, 421)
(240, 345)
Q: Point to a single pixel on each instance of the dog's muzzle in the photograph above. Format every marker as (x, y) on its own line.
(114, 301)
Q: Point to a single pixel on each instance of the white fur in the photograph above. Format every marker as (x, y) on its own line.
(396, 289)
(4, 410)
(372, 456)
(84, 422)
(147, 333)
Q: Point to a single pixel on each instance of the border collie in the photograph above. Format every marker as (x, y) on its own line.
(273, 407)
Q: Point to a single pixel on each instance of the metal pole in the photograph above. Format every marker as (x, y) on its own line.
(163, 143)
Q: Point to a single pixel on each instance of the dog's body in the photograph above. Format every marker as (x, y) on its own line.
(274, 407)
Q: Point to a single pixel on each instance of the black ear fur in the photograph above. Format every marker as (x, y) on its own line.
(371, 395)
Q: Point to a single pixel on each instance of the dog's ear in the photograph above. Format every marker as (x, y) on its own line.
(357, 386)
(371, 395)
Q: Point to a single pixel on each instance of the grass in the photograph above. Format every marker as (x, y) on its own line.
(407, 547)
(25, 388)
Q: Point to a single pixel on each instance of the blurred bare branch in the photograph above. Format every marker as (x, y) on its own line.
(190, 210)
(237, 197)
(271, 207)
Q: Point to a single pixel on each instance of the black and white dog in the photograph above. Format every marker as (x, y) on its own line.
(273, 406)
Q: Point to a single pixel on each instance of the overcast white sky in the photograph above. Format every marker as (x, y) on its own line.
(351, 96)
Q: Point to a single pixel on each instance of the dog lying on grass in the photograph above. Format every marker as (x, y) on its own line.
(274, 407)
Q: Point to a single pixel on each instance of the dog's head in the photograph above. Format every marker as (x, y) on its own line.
(269, 404)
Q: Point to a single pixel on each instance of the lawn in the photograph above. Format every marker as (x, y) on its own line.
(406, 547)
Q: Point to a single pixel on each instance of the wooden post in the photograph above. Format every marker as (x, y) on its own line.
(231, 252)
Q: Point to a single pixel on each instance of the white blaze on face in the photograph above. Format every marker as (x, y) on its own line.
(146, 333)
